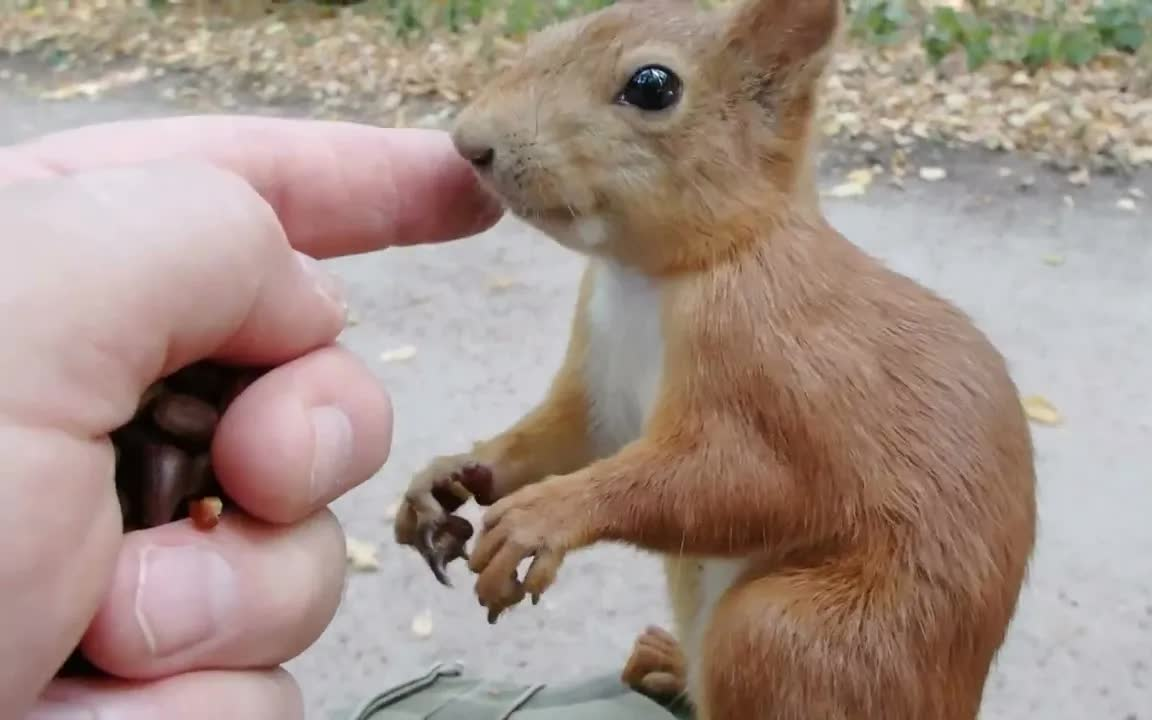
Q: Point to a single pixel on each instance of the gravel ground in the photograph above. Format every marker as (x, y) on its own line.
(1058, 275)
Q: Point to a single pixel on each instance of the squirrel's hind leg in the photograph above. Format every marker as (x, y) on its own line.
(657, 666)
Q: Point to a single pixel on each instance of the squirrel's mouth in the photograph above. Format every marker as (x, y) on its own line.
(532, 208)
(533, 212)
(564, 214)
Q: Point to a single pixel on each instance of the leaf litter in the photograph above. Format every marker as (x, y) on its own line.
(422, 625)
(856, 184)
(361, 555)
(345, 62)
(1041, 410)
(399, 354)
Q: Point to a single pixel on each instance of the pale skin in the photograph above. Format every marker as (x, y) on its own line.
(131, 250)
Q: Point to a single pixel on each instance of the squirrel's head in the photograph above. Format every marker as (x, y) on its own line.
(627, 130)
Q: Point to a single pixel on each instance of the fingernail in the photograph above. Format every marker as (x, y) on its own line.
(183, 596)
(64, 710)
(331, 450)
(327, 284)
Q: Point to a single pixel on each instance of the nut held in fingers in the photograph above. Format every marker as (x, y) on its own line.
(163, 457)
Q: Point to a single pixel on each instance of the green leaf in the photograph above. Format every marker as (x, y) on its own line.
(941, 35)
(937, 48)
(880, 21)
(1129, 38)
(476, 10)
(1039, 48)
(948, 28)
(1123, 24)
(1079, 46)
(978, 49)
(947, 21)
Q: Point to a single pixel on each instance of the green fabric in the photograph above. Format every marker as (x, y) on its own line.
(444, 693)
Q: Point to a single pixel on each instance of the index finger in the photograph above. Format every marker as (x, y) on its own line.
(338, 188)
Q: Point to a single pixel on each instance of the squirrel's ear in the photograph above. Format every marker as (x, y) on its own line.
(786, 37)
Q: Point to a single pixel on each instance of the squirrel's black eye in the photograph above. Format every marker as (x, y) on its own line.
(652, 88)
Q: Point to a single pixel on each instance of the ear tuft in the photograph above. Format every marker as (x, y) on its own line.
(786, 37)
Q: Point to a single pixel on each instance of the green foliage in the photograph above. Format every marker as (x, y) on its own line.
(883, 22)
(414, 17)
(1123, 24)
(983, 34)
(1117, 25)
(948, 29)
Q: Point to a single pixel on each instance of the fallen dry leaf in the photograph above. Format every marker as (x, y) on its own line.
(1080, 177)
(1040, 410)
(95, 88)
(933, 174)
(501, 283)
(400, 354)
(845, 190)
(361, 555)
(422, 624)
(856, 184)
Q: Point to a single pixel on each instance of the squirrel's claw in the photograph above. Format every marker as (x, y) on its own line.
(440, 542)
(425, 520)
(435, 560)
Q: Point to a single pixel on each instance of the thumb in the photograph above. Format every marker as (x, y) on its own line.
(141, 270)
(111, 279)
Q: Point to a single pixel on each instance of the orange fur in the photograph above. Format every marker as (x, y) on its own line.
(832, 451)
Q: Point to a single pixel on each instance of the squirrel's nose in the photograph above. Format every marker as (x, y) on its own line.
(475, 151)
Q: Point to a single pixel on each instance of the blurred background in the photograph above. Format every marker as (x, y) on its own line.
(999, 152)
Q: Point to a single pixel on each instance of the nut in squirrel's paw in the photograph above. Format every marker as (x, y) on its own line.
(425, 520)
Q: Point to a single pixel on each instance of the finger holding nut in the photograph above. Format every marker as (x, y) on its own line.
(183, 599)
(301, 435)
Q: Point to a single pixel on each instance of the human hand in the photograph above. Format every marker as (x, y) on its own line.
(125, 260)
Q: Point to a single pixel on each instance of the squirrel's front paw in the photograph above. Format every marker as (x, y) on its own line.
(425, 520)
(539, 522)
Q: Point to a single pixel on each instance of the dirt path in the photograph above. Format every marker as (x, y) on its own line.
(1064, 289)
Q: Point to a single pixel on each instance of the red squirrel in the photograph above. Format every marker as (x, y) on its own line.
(832, 460)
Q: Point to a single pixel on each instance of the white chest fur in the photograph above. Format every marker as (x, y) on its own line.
(623, 372)
(625, 358)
